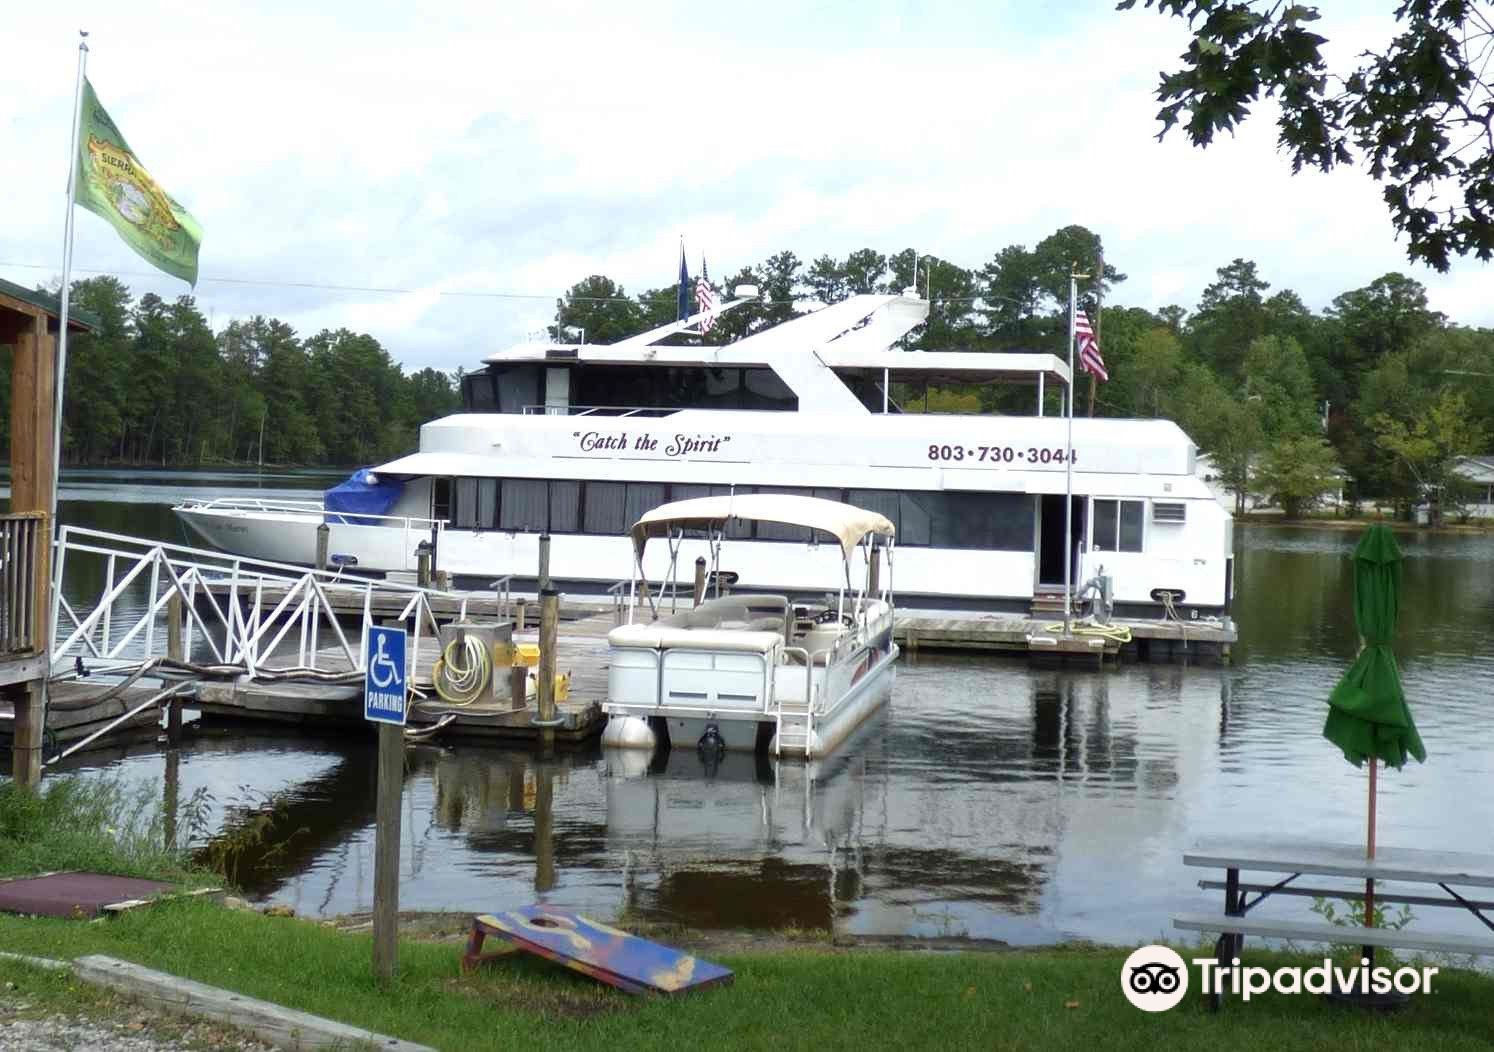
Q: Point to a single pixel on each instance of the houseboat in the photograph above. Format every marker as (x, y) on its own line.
(579, 441)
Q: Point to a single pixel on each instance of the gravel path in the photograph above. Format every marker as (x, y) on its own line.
(22, 1030)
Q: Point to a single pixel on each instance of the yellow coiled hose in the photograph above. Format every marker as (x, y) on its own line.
(1120, 633)
(461, 682)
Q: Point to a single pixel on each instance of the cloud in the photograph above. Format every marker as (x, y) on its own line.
(507, 149)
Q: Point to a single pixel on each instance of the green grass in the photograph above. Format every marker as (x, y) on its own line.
(96, 824)
(813, 998)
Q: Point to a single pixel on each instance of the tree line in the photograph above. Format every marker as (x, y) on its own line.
(1377, 395)
(154, 384)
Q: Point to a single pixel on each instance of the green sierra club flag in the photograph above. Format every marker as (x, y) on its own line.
(112, 183)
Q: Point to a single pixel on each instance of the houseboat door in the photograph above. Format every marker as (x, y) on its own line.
(1050, 546)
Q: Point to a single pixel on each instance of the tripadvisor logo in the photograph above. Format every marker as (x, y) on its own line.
(1155, 978)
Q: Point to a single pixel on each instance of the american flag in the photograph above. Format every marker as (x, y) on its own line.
(706, 299)
(1089, 348)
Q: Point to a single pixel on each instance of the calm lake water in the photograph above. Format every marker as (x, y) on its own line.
(989, 799)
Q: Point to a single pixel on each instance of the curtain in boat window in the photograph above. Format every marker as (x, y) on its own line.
(565, 506)
(641, 497)
(605, 513)
(525, 505)
(487, 504)
(464, 504)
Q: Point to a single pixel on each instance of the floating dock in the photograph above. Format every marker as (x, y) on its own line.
(1038, 635)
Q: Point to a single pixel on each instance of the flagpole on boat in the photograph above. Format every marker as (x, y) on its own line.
(1068, 470)
(67, 274)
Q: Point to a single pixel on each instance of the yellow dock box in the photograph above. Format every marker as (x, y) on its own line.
(527, 654)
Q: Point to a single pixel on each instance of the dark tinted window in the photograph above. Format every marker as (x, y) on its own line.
(679, 387)
(477, 393)
(464, 504)
(1118, 525)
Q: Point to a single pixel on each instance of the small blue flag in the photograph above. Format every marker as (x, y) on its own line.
(684, 292)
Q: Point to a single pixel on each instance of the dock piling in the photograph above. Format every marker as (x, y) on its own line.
(549, 623)
(700, 580)
(423, 566)
(521, 613)
(543, 581)
(391, 775)
(323, 540)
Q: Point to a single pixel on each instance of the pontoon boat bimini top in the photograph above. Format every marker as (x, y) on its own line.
(846, 523)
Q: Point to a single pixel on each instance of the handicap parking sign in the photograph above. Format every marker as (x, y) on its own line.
(384, 690)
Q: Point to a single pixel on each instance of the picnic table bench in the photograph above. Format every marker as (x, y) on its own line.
(1297, 859)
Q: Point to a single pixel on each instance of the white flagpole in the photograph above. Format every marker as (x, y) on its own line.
(1068, 475)
(67, 273)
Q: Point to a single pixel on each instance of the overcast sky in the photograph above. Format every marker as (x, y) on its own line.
(480, 148)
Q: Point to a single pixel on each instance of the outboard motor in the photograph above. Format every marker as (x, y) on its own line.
(711, 748)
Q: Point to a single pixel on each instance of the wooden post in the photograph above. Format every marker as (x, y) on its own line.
(32, 390)
(549, 623)
(386, 852)
(544, 562)
(518, 686)
(175, 651)
(26, 750)
(700, 580)
(423, 567)
(521, 614)
(874, 573)
(323, 540)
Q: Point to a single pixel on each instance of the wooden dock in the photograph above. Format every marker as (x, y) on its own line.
(1207, 641)
(581, 655)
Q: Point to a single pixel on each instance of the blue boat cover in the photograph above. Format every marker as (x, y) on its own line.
(361, 495)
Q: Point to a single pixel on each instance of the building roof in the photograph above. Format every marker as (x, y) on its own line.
(1476, 469)
(33, 302)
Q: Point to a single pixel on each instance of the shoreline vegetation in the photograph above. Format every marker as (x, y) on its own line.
(791, 989)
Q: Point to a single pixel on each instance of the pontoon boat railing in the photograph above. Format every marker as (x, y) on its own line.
(265, 618)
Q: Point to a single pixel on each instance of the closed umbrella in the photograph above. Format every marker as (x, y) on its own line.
(1367, 713)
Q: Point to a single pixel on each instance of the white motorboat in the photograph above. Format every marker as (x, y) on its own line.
(789, 675)
(577, 441)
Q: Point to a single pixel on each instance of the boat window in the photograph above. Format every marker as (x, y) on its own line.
(621, 387)
(1118, 525)
(464, 504)
(950, 519)
(525, 505)
(764, 389)
(478, 395)
(774, 531)
(441, 499)
(642, 497)
(565, 507)
(518, 386)
(487, 503)
(605, 512)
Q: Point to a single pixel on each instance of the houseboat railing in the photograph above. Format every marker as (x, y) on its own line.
(21, 534)
(313, 508)
(261, 618)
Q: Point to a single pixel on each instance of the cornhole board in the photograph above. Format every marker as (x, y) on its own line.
(614, 957)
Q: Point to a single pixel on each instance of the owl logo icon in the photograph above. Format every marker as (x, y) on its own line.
(1154, 978)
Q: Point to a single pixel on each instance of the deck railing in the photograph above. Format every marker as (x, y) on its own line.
(21, 536)
(313, 509)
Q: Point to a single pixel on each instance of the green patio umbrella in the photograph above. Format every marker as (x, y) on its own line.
(1368, 718)
(1367, 714)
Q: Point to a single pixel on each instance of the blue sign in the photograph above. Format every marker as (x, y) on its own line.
(384, 688)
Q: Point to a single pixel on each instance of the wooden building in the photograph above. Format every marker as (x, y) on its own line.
(29, 323)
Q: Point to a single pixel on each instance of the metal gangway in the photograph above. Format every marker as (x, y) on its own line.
(131, 610)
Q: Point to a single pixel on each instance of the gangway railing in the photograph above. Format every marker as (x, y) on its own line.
(259, 618)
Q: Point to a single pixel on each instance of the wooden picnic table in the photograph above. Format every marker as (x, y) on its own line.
(1298, 859)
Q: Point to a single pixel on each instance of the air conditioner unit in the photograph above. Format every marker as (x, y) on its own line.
(1169, 511)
